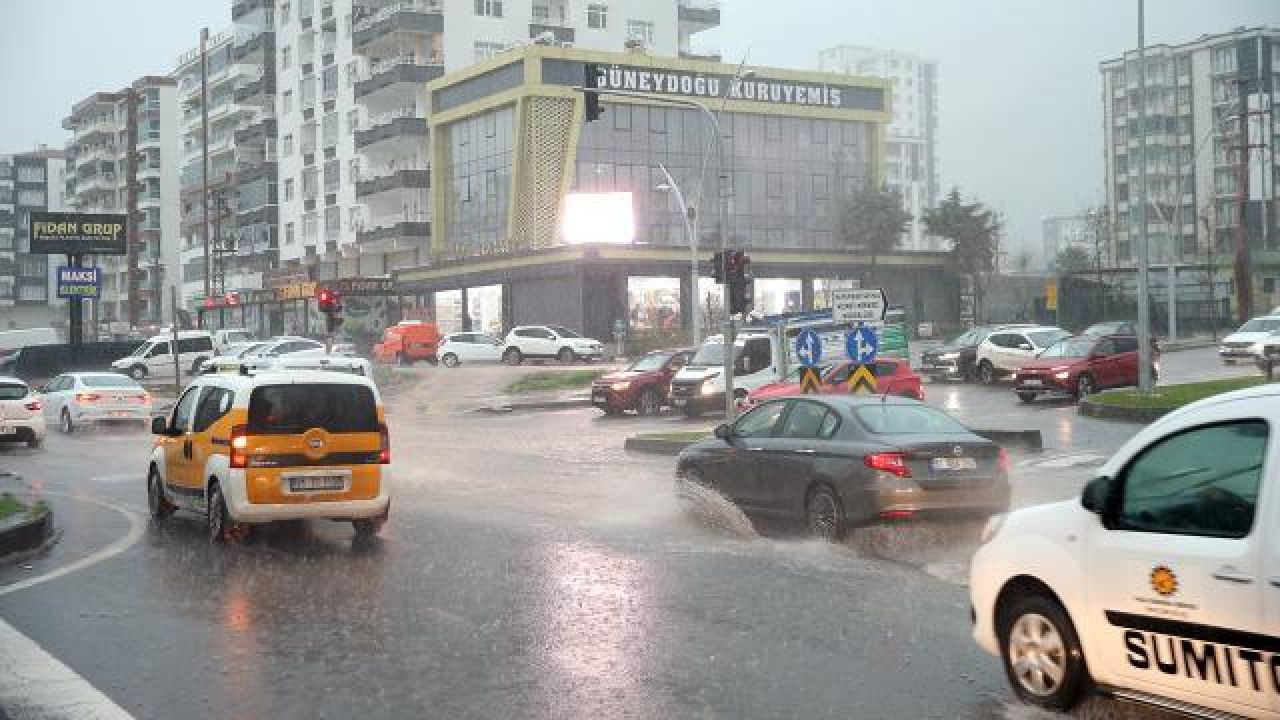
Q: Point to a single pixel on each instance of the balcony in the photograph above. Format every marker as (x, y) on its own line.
(406, 233)
(257, 42)
(704, 55)
(396, 180)
(391, 127)
(243, 7)
(403, 69)
(257, 133)
(561, 33)
(417, 17)
(699, 14)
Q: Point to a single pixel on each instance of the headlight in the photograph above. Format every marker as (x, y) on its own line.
(994, 523)
(708, 387)
(949, 356)
(620, 385)
(1062, 375)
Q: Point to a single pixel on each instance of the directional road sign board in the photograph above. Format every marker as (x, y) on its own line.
(862, 377)
(862, 344)
(808, 347)
(854, 306)
(810, 381)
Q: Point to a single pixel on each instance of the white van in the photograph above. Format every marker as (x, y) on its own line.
(154, 358)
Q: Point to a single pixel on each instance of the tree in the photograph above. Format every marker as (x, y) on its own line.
(974, 232)
(1072, 261)
(873, 220)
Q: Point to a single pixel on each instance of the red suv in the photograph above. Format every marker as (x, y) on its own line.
(644, 387)
(1082, 365)
(893, 377)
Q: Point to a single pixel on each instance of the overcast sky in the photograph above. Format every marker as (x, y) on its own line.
(1020, 119)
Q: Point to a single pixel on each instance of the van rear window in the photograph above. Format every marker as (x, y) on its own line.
(12, 391)
(290, 409)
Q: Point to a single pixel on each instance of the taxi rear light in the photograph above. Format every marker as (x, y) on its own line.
(384, 445)
(88, 397)
(34, 405)
(239, 442)
(893, 463)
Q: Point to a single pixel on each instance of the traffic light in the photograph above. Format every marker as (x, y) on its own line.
(737, 275)
(737, 267)
(329, 302)
(741, 297)
(591, 81)
(717, 266)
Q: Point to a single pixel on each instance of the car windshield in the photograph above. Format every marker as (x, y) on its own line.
(897, 419)
(12, 391)
(291, 409)
(564, 332)
(108, 381)
(1106, 328)
(1261, 325)
(1045, 338)
(652, 361)
(709, 355)
(1070, 348)
(244, 351)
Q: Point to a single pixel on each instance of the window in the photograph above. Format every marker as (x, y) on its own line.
(289, 235)
(657, 120)
(288, 192)
(598, 16)
(621, 116)
(1183, 64)
(286, 101)
(284, 12)
(804, 421)
(159, 349)
(195, 344)
(30, 173)
(351, 73)
(489, 8)
(346, 24)
(285, 54)
(291, 409)
(773, 129)
(760, 421)
(895, 419)
(641, 30)
(181, 419)
(31, 197)
(353, 121)
(486, 50)
(1125, 344)
(1202, 481)
(213, 405)
(286, 146)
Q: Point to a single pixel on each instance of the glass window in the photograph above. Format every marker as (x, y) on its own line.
(597, 16)
(641, 30)
(290, 409)
(1199, 482)
(108, 381)
(12, 391)
(159, 349)
(760, 421)
(621, 116)
(212, 406)
(804, 421)
(894, 419)
(489, 8)
(181, 420)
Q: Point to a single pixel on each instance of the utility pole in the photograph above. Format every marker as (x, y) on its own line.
(131, 204)
(1144, 308)
(204, 160)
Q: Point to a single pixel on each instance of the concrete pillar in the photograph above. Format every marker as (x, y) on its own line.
(466, 312)
(806, 293)
(688, 296)
(508, 308)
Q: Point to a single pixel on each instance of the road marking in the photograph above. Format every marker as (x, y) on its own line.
(136, 527)
(34, 683)
(1066, 460)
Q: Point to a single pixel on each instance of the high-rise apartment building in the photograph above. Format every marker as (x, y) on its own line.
(29, 182)
(911, 160)
(124, 158)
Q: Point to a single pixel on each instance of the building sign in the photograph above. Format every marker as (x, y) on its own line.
(776, 92)
(356, 287)
(78, 282)
(58, 233)
(296, 291)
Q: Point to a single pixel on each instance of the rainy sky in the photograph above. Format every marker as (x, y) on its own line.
(1020, 123)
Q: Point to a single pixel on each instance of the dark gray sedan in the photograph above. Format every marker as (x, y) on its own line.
(834, 461)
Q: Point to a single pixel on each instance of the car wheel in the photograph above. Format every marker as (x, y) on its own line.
(221, 527)
(138, 373)
(824, 518)
(986, 372)
(1041, 652)
(566, 355)
(512, 357)
(157, 503)
(65, 423)
(450, 360)
(1027, 397)
(1085, 386)
(649, 403)
(368, 527)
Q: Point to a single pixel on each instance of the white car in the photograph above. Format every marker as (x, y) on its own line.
(549, 342)
(337, 363)
(279, 347)
(1247, 342)
(76, 399)
(1008, 349)
(1161, 583)
(229, 359)
(468, 348)
(20, 413)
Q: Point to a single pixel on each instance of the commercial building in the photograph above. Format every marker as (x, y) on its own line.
(124, 158)
(1208, 183)
(911, 158)
(543, 217)
(29, 182)
(1065, 231)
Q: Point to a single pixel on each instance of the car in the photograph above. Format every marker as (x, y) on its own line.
(250, 448)
(77, 399)
(894, 376)
(549, 342)
(154, 359)
(645, 386)
(469, 348)
(21, 418)
(230, 358)
(408, 342)
(304, 361)
(1247, 342)
(838, 461)
(226, 337)
(1006, 350)
(1080, 366)
(1160, 582)
(1112, 327)
(292, 346)
(956, 359)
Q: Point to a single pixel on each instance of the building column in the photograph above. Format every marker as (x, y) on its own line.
(688, 296)
(508, 309)
(806, 293)
(466, 311)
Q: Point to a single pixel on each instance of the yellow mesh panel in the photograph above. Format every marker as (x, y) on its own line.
(544, 151)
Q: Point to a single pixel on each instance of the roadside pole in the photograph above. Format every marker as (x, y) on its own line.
(173, 344)
(1144, 309)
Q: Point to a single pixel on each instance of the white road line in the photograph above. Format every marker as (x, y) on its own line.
(35, 684)
(136, 528)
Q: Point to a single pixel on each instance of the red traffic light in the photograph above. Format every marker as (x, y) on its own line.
(328, 300)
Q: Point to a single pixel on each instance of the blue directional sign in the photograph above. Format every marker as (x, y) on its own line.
(808, 347)
(78, 282)
(863, 344)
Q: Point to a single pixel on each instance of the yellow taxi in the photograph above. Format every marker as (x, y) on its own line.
(247, 449)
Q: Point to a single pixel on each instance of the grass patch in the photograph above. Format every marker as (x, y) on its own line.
(1171, 397)
(547, 380)
(680, 436)
(9, 506)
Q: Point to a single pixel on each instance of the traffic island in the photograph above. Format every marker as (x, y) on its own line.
(25, 526)
(1129, 405)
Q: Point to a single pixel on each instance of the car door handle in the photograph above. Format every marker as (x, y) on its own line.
(1231, 574)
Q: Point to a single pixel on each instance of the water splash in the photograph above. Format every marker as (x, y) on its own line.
(714, 510)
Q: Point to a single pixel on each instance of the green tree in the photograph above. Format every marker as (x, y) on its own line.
(974, 232)
(872, 220)
(1072, 261)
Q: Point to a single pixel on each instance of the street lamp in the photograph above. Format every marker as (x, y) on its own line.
(695, 294)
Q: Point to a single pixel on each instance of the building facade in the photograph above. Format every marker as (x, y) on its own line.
(29, 182)
(1201, 179)
(911, 159)
(1065, 231)
(124, 158)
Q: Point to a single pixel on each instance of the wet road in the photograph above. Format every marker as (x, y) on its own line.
(531, 569)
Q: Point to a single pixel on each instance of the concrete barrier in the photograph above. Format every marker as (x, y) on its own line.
(22, 536)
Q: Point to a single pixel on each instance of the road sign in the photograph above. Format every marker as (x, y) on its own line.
(808, 347)
(852, 306)
(78, 282)
(810, 380)
(1051, 294)
(862, 344)
(862, 377)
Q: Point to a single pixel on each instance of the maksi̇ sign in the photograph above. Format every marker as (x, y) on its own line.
(78, 282)
(59, 233)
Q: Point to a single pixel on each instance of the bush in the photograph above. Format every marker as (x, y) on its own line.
(1171, 397)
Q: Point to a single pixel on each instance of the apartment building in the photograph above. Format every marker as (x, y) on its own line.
(911, 161)
(29, 182)
(124, 158)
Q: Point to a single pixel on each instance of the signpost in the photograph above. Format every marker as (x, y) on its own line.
(858, 305)
(78, 282)
(810, 381)
(863, 344)
(76, 235)
(808, 348)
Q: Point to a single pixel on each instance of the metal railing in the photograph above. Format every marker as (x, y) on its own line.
(426, 6)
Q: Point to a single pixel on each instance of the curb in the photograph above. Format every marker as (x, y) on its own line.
(1188, 345)
(535, 405)
(1029, 439)
(1092, 409)
(25, 536)
(654, 446)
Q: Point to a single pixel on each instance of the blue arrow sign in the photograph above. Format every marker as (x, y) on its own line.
(808, 347)
(862, 344)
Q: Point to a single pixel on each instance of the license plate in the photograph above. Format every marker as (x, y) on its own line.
(678, 402)
(954, 463)
(313, 483)
(1033, 382)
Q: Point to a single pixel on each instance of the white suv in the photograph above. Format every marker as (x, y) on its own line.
(1006, 350)
(21, 413)
(548, 342)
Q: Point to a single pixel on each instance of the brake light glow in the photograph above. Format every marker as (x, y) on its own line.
(88, 397)
(239, 442)
(1002, 461)
(918, 393)
(384, 445)
(893, 463)
(143, 398)
(897, 514)
(34, 405)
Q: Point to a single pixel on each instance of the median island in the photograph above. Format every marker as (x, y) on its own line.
(1134, 406)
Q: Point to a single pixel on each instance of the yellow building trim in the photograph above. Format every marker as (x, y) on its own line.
(517, 164)
(481, 264)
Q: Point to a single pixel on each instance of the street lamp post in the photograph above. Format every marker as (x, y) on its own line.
(695, 296)
(1144, 309)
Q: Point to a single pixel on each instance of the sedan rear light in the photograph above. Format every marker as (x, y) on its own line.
(897, 514)
(917, 392)
(384, 445)
(893, 463)
(88, 397)
(34, 405)
(239, 443)
(1002, 461)
(143, 398)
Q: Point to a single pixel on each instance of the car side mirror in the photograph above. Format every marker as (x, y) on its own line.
(159, 425)
(1096, 497)
(724, 431)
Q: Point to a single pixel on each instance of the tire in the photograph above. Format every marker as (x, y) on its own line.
(986, 372)
(1027, 397)
(450, 360)
(157, 504)
(649, 403)
(1085, 386)
(368, 527)
(566, 356)
(138, 373)
(512, 356)
(823, 514)
(1041, 652)
(65, 423)
(222, 529)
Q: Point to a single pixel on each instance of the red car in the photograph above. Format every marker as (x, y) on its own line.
(644, 387)
(893, 377)
(1082, 365)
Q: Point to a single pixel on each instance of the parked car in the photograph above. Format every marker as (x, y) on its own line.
(957, 358)
(549, 342)
(222, 339)
(155, 358)
(645, 386)
(408, 342)
(1080, 366)
(35, 364)
(11, 341)
(468, 348)
(835, 461)
(1112, 327)
(894, 377)
(21, 418)
(290, 346)
(1243, 344)
(73, 400)
(230, 358)
(1007, 350)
